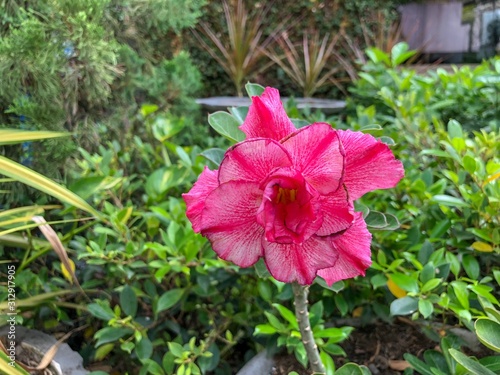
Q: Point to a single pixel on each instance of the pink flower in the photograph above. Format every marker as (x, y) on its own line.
(287, 195)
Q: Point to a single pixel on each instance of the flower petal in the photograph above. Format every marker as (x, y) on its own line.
(252, 160)
(353, 248)
(267, 118)
(317, 152)
(293, 262)
(337, 212)
(229, 222)
(369, 164)
(195, 198)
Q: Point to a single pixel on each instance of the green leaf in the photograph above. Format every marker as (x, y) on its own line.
(169, 299)
(240, 113)
(327, 361)
(404, 306)
(336, 287)
(13, 136)
(488, 332)
(111, 334)
(101, 311)
(274, 321)
(448, 200)
(254, 89)
(455, 129)
(166, 127)
(264, 329)
(471, 266)
(36, 180)
(425, 307)
(7, 369)
(469, 164)
(176, 349)
(147, 109)
(128, 301)
(226, 125)
(144, 349)
(287, 315)
(405, 282)
(425, 252)
(378, 56)
(400, 53)
(376, 220)
(350, 369)
(418, 365)
(336, 334)
(150, 367)
(438, 153)
(299, 123)
(215, 155)
(300, 353)
(387, 140)
(163, 179)
(261, 269)
(431, 284)
(461, 292)
(470, 364)
(491, 362)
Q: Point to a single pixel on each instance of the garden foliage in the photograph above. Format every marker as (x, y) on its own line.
(155, 299)
(88, 66)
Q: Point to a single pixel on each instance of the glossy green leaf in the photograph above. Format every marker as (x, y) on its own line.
(128, 301)
(417, 364)
(350, 369)
(101, 311)
(111, 334)
(448, 200)
(461, 292)
(488, 332)
(169, 299)
(215, 155)
(400, 53)
(226, 125)
(470, 364)
(405, 282)
(425, 307)
(404, 306)
(287, 315)
(455, 129)
(144, 349)
(254, 89)
(264, 329)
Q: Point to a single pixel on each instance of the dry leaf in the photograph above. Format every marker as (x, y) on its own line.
(398, 364)
(57, 245)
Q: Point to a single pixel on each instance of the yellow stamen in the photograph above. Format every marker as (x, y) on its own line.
(286, 195)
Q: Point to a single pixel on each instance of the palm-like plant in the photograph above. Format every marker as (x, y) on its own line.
(311, 64)
(241, 50)
(14, 220)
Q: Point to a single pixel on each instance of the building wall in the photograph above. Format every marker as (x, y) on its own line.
(435, 27)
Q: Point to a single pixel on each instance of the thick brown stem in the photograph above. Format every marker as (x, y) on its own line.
(302, 315)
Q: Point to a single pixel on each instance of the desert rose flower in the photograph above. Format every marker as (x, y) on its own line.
(287, 195)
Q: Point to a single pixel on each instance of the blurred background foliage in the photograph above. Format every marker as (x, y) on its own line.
(121, 77)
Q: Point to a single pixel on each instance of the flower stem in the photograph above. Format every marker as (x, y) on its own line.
(302, 315)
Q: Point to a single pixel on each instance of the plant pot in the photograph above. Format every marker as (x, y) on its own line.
(31, 345)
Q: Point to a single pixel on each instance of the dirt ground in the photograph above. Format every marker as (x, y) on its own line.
(379, 346)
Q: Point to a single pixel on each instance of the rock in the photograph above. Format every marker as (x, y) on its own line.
(261, 364)
(35, 343)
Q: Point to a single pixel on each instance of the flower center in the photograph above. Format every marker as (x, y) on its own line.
(285, 195)
(289, 211)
